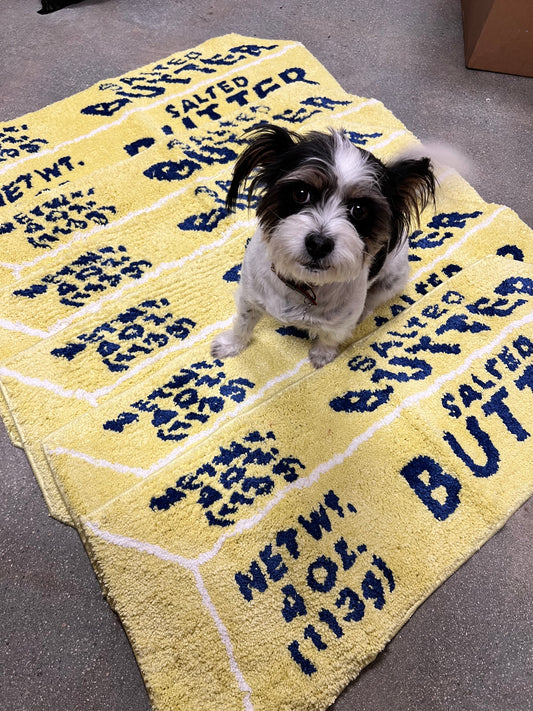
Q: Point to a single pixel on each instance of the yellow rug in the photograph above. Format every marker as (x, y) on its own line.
(261, 528)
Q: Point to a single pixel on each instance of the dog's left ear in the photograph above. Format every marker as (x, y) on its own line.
(267, 144)
(409, 186)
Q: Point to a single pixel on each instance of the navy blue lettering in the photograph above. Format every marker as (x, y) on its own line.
(12, 191)
(239, 98)
(305, 664)
(274, 564)
(468, 394)
(524, 346)
(211, 112)
(423, 288)
(526, 379)
(208, 495)
(296, 74)
(287, 538)
(69, 351)
(496, 405)
(490, 367)
(486, 385)
(448, 403)
(511, 250)
(329, 619)
(318, 521)
(105, 108)
(424, 466)
(426, 344)
(205, 221)
(387, 572)
(332, 501)
(254, 581)
(233, 274)
(168, 499)
(361, 400)
(311, 633)
(484, 442)
(327, 569)
(363, 363)
(292, 331)
(459, 322)
(500, 307)
(356, 606)
(232, 487)
(373, 590)
(508, 359)
(451, 269)
(132, 149)
(7, 227)
(293, 604)
(171, 170)
(515, 285)
(347, 557)
(288, 467)
(434, 311)
(55, 170)
(265, 87)
(382, 349)
(452, 219)
(420, 370)
(123, 419)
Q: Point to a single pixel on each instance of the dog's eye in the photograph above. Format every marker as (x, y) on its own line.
(301, 195)
(358, 211)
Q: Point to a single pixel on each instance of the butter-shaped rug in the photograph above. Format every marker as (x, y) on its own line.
(261, 528)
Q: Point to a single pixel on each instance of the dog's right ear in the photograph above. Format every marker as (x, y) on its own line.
(267, 146)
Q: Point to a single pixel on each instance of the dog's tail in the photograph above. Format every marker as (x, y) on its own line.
(444, 159)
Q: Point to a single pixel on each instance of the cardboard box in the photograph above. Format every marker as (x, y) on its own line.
(498, 35)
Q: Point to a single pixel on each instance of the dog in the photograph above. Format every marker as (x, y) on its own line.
(332, 237)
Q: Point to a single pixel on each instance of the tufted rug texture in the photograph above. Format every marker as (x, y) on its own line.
(261, 528)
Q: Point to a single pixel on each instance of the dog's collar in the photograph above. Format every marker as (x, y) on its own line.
(305, 290)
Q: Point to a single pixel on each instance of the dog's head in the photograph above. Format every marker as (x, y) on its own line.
(328, 209)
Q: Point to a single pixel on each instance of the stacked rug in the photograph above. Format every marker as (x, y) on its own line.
(261, 528)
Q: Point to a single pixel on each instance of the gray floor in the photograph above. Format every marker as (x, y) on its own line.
(469, 646)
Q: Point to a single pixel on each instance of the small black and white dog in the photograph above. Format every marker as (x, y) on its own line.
(331, 244)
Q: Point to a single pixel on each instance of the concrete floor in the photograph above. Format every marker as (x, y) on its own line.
(469, 646)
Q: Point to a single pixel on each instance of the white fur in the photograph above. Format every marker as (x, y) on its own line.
(351, 166)
(287, 252)
(340, 304)
(340, 279)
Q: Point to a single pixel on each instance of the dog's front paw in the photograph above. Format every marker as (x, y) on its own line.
(321, 355)
(226, 345)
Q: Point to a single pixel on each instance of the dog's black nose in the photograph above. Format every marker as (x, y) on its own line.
(318, 246)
